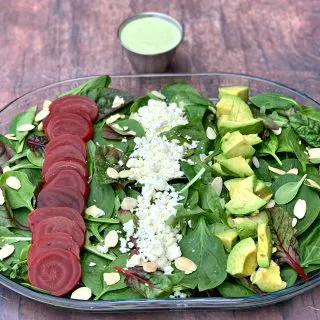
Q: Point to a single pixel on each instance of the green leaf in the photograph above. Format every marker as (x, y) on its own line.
(132, 125)
(270, 147)
(23, 196)
(6, 216)
(13, 236)
(310, 246)
(306, 128)
(172, 89)
(83, 89)
(279, 120)
(207, 252)
(35, 159)
(138, 103)
(91, 150)
(123, 294)
(273, 100)
(234, 290)
(289, 275)
(288, 191)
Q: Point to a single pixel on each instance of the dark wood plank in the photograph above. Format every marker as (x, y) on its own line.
(46, 41)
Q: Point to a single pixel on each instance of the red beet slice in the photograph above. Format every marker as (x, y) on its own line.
(62, 153)
(57, 271)
(66, 140)
(60, 197)
(70, 179)
(66, 164)
(51, 241)
(70, 123)
(73, 103)
(37, 215)
(58, 224)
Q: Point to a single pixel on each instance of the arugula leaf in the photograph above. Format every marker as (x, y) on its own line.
(270, 147)
(207, 252)
(83, 89)
(305, 193)
(273, 100)
(306, 128)
(285, 240)
(309, 246)
(23, 196)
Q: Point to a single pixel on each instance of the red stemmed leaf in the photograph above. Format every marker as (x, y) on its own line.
(37, 143)
(285, 240)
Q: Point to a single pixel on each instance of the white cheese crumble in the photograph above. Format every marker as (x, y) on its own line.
(158, 117)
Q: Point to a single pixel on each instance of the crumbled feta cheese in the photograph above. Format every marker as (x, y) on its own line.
(117, 102)
(190, 223)
(191, 162)
(178, 294)
(94, 211)
(102, 249)
(158, 117)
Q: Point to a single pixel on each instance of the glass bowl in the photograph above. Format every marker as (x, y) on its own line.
(207, 84)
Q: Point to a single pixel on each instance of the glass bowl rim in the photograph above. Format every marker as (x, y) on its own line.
(165, 304)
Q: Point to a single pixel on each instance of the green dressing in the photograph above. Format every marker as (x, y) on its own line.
(150, 35)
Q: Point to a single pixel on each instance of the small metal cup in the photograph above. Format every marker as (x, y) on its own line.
(150, 63)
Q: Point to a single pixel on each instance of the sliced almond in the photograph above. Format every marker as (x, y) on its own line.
(113, 118)
(217, 184)
(129, 203)
(112, 173)
(270, 204)
(83, 293)
(41, 115)
(255, 162)
(94, 211)
(40, 126)
(149, 267)
(6, 251)
(13, 183)
(111, 278)
(125, 174)
(2, 200)
(92, 264)
(158, 95)
(131, 133)
(277, 132)
(111, 239)
(185, 264)
(276, 170)
(314, 155)
(300, 209)
(46, 104)
(294, 222)
(117, 102)
(211, 134)
(293, 171)
(310, 182)
(6, 169)
(11, 136)
(25, 127)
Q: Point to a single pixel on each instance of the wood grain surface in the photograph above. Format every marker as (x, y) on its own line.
(43, 41)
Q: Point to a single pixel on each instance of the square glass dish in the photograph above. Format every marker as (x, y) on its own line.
(207, 84)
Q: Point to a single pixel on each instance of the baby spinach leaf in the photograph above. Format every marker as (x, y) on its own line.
(132, 125)
(35, 159)
(172, 89)
(270, 147)
(234, 290)
(273, 100)
(306, 128)
(83, 89)
(310, 112)
(6, 144)
(267, 121)
(23, 196)
(285, 240)
(289, 275)
(310, 246)
(91, 150)
(12, 236)
(138, 103)
(126, 293)
(112, 134)
(207, 252)
(305, 193)
(288, 191)
(279, 120)
(6, 216)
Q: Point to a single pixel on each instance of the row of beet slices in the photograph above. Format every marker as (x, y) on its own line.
(58, 229)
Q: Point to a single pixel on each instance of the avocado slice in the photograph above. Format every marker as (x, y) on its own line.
(245, 127)
(240, 111)
(224, 105)
(263, 191)
(238, 166)
(241, 91)
(252, 139)
(234, 145)
(229, 183)
(264, 245)
(244, 202)
(228, 238)
(220, 171)
(246, 183)
(242, 260)
(247, 226)
(268, 279)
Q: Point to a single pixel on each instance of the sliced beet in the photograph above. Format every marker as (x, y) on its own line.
(60, 197)
(62, 152)
(69, 179)
(66, 164)
(51, 241)
(57, 271)
(69, 123)
(37, 215)
(58, 224)
(73, 103)
(66, 140)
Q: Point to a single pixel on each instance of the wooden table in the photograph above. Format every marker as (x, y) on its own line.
(44, 41)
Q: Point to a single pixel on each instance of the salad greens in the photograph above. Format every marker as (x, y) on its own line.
(258, 146)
